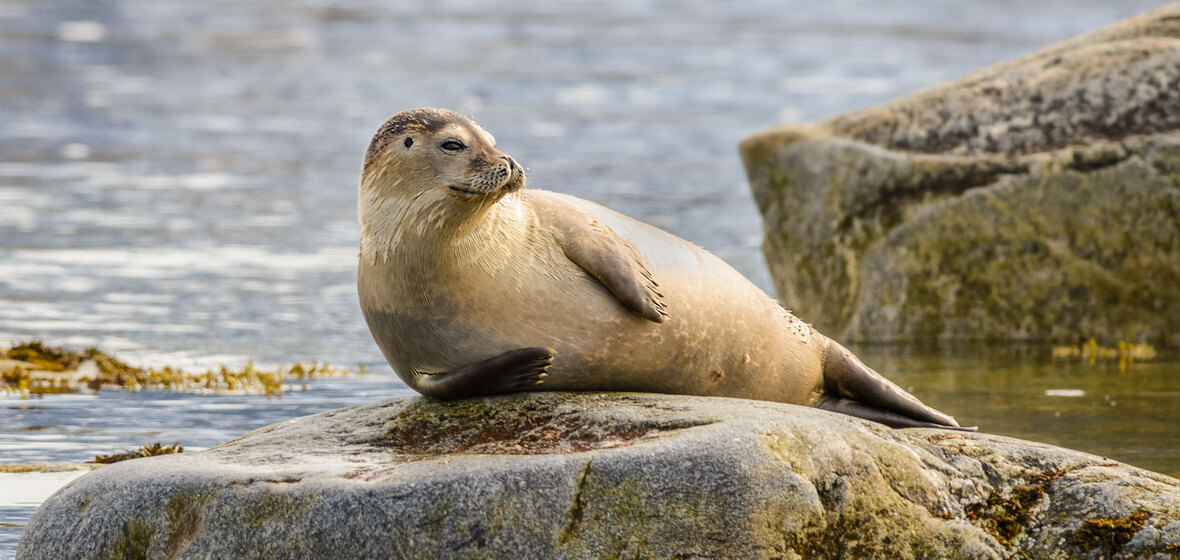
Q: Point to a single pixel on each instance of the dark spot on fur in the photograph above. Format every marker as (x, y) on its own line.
(478, 164)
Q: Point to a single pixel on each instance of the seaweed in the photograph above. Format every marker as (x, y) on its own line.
(45, 358)
(34, 369)
(149, 450)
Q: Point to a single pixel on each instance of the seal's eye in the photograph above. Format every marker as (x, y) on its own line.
(409, 142)
(452, 145)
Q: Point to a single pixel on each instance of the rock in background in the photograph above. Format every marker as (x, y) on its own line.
(1037, 199)
(575, 475)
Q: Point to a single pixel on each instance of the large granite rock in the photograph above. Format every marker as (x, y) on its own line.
(563, 475)
(1032, 200)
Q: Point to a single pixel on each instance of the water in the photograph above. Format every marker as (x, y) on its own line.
(177, 181)
(75, 428)
(1130, 414)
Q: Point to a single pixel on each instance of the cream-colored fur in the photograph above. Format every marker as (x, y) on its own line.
(458, 265)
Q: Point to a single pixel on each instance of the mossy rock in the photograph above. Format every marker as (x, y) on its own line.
(1037, 199)
(565, 475)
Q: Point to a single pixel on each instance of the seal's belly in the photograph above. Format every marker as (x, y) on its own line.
(716, 342)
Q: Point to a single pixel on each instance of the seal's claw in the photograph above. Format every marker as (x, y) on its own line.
(530, 371)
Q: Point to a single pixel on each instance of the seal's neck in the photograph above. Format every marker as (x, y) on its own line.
(429, 224)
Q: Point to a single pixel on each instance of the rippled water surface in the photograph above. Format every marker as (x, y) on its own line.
(177, 179)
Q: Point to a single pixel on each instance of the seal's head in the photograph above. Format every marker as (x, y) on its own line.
(436, 153)
(430, 176)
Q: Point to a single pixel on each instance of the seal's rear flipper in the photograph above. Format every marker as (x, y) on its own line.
(868, 394)
(511, 372)
(889, 418)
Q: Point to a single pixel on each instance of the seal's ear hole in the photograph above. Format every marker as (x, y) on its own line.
(409, 142)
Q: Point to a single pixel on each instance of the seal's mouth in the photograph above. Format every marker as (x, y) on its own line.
(495, 182)
(466, 192)
(516, 178)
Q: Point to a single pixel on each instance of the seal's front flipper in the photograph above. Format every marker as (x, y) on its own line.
(609, 258)
(511, 372)
(855, 389)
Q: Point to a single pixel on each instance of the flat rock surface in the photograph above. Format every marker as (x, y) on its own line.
(616, 475)
(1037, 199)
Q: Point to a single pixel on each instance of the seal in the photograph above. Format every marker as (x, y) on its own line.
(472, 286)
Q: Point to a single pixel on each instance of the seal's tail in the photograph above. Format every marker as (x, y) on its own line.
(852, 388)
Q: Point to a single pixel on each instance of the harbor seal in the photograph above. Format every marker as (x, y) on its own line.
(472, 286)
